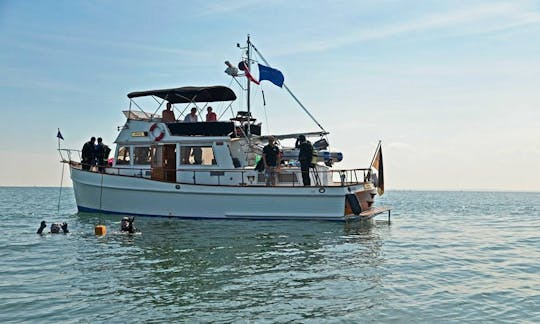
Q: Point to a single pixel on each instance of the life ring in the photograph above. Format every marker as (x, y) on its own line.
(153, 133)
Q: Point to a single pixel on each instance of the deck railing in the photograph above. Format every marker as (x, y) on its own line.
(288, 176)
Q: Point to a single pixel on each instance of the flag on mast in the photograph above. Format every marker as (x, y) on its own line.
(377, 164)
(248, 74)
(273, 75)
(59, 135)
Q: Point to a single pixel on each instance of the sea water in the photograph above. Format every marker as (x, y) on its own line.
(445, 257)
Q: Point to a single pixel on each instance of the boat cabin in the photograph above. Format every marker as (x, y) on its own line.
(222, 152)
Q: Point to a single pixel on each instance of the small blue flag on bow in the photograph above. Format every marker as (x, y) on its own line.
(59, 135)
(272, 75)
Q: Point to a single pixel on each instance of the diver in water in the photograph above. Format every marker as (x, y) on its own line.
(126, 225)
(41, 227)
(55, 228)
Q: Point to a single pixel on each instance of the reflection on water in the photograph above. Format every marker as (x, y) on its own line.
(211, 268)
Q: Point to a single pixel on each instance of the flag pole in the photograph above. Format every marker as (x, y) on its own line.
(58, 136)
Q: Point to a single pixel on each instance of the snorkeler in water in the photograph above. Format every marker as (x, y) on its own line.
(55, 228)
(41, 227)
(126, 225)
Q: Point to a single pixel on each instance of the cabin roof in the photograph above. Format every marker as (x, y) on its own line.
(189, 94)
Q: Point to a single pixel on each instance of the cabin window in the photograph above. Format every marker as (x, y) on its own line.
(123, 156)
(142, 155)
(197, 155)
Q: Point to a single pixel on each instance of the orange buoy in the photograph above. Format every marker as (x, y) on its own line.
(100, 230)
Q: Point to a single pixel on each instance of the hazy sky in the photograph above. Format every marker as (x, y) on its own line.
(450, 87)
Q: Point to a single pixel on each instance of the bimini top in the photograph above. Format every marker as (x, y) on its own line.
(189, 94)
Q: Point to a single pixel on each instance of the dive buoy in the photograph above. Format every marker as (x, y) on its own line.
(100, 230)
(157, 132)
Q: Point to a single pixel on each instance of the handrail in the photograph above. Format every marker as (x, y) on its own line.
(346, 177)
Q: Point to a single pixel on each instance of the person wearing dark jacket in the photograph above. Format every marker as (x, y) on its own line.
(304, 156)
(271, 158)
(88, 155)
(102, 154)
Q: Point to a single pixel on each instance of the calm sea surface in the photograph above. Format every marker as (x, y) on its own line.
(446, 257)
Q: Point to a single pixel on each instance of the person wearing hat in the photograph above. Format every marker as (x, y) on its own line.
(304, 156)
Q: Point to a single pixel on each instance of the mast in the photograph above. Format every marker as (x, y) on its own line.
(248, 87)
(249, 68)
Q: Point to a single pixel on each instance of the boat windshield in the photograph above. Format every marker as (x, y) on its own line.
(139, 115)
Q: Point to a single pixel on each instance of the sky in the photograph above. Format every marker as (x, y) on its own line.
(451, 88)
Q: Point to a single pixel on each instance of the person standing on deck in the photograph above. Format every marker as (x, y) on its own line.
(192, 117)
(304, 156)
(168, 115)
(102, 154)
(210, 116)
(88, 154)
(272, 159)
(186, 150)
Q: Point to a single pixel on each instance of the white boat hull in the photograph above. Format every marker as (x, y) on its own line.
(95, 192)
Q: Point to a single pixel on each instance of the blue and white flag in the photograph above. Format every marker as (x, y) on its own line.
(272, 75)
(59, 135)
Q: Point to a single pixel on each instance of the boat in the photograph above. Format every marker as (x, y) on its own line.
(209, 169)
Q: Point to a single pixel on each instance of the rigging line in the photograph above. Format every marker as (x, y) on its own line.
(230, 82)
(62, 175)
(61, 184)
(265, 113)
(289, 91)
(238, 82)
(100, 192)
(229, 106)
(160, 104)
(225, 110)
(100, 221)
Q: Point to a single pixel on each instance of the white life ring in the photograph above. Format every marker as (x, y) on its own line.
(157, 132)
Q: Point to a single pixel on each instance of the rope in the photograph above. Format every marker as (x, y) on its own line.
(100, 196)
(100, 191)
(61, 184)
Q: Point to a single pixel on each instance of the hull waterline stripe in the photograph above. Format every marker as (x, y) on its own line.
(240, 217)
